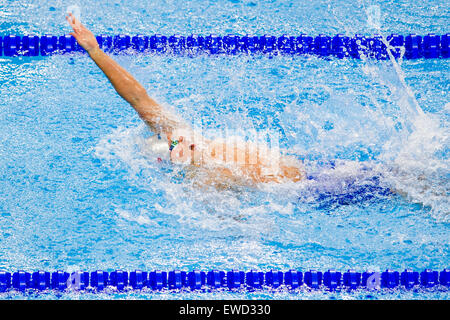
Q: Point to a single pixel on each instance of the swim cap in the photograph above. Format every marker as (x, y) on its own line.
(159, 147)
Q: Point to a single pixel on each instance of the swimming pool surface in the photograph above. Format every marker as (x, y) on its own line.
(79, 189)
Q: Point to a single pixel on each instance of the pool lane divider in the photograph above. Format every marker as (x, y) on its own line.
(414, 46)
(213, 280)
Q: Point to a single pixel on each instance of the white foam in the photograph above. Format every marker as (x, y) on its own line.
(141, 219)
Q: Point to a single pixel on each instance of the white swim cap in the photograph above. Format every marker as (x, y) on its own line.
(159, 146)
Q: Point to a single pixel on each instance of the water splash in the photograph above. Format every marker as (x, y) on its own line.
(414, 154)
(326, 110)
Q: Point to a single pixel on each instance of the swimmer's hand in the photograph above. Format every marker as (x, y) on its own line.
(84, 37)
(159, 119)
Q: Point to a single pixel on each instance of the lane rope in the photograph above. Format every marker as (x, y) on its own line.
(412, 46)
(233, 280)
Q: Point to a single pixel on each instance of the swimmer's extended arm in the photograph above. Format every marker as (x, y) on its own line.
(123, 82)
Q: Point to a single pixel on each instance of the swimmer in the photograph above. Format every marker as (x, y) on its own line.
(221, 160)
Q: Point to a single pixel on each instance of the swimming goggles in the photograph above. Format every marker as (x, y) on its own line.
(173, 144)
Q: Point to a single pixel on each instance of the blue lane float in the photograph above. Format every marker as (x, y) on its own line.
(120, 280)
(413, 46)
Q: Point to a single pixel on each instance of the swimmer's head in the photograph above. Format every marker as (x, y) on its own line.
(158, 147)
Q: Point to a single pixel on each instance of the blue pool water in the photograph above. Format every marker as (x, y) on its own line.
(79, 189)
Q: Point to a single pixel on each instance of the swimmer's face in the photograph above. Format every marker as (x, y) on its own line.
(184, 152)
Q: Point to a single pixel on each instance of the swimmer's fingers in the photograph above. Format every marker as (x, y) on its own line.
(84, 37)
(71, 20)
(74, 23)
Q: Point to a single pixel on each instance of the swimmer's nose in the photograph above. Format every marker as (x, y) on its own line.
(179, 154)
